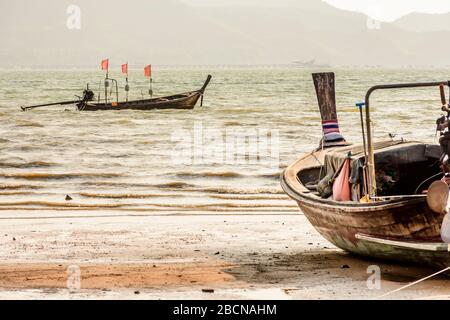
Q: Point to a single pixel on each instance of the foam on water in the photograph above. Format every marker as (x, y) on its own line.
(125, 160)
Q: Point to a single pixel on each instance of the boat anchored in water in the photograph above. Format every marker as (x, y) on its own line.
(86, 102)
(370, 199)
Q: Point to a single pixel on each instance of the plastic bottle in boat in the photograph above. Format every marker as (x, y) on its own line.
(445, 229)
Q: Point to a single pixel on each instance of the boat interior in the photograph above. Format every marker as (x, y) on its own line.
(403, 169)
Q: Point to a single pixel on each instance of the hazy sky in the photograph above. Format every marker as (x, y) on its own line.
(384, 10)
(389, 10)
(268, 32)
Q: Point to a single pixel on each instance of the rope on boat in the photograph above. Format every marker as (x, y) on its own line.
(321, 164)
(425, 181)
(413, 283)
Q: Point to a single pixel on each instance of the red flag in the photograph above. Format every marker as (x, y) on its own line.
(105, 64)
(148, 71)
(125, 68)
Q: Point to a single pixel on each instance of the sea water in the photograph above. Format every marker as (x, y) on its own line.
(187, 160)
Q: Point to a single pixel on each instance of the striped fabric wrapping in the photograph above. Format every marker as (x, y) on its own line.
(331, 131)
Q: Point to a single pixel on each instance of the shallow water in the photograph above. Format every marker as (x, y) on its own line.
(180, 160)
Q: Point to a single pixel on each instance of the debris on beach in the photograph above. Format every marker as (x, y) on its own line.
(208, 290)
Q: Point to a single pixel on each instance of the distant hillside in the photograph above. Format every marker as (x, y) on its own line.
(170, 32)
(159, 31)
(331, 36)
(421, 22)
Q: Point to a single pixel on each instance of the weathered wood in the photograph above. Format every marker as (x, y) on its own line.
(431, 254)
(326, 95)
(413, 245)
(324, 84)
(408, 220)
(179, 101)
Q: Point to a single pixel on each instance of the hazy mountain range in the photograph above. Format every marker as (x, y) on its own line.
(421, 22)
(166, 32)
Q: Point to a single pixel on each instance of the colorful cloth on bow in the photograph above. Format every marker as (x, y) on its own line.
(331, 131)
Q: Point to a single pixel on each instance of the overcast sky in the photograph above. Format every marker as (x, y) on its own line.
(268, 32)
(389, 10)
(384, 10)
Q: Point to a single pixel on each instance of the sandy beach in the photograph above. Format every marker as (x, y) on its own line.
(188, 256)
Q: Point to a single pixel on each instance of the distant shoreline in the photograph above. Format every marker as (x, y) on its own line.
(230, 66)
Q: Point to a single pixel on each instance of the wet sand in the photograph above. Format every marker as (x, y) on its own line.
(187, 256)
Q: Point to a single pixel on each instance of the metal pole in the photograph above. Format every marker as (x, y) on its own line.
(106, 88)
(117, 91)
(50, 104)
(127, 88)
(360, 105)
(151, 87)
(370, 159)
(99, 90)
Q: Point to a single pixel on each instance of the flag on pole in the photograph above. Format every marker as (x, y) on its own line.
(125, 68)
(148, 71)
(105, 64)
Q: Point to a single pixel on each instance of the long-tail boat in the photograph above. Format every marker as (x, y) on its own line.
(388, 215)
(87, 102)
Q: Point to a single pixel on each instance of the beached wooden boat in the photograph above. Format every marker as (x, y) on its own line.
(396, 223)
(187, 100)
(406, 218)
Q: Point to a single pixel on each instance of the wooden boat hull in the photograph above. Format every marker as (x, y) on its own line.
(410, 220)
(340, 223)
(182, 101)
(432, 254)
